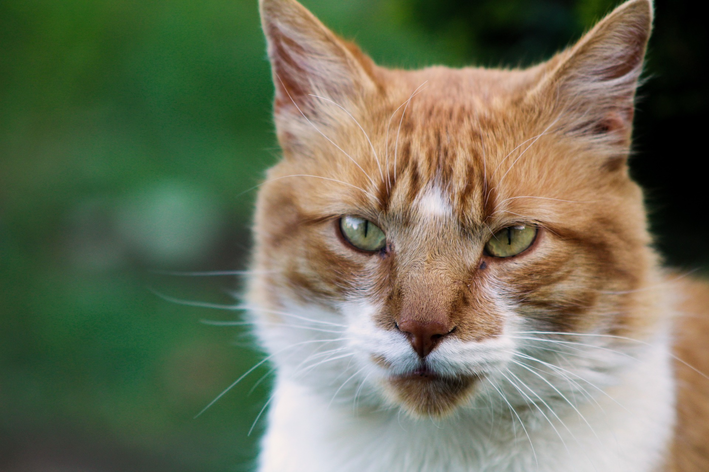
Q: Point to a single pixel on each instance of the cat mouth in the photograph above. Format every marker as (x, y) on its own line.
(426, 392)
(423, 372)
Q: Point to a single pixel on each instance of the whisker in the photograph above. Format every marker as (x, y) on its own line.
(258, 364)
(265, 405)
(239, 307)
(510, 153)
(226, 323)
(521, 364)
(180, 301)
(342, 386)
(572, 383)
(574, 343)
(527, 149)
(213, 273)
(369, 194)
(359, 390)
(622, 338)
(291, 315)
(259, 381)
(532, 402)
(519, 419)
(317, 354)
(386, 138)
(539, 198)
(247, 323)
(559, 419)
(335, 358)
(650, 287)
(557, 368)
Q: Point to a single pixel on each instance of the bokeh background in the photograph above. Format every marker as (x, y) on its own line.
(131, 135)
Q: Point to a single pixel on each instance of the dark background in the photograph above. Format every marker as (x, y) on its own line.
(130, 134)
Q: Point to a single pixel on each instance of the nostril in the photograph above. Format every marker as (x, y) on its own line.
(424, 336)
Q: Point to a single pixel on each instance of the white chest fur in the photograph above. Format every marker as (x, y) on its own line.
(625, 428)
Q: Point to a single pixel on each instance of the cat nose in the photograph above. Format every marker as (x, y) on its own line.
(424, 336)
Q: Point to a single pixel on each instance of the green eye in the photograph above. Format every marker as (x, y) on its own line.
(362, 234)
(511, 241)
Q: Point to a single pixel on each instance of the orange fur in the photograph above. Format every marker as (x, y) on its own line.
(691, 446)
(545, 146)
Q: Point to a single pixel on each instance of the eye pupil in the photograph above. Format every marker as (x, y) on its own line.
(509, 236)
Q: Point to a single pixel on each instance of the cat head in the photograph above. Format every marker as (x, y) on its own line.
(421, 225)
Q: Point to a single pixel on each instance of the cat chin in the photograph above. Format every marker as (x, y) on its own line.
(429, 395)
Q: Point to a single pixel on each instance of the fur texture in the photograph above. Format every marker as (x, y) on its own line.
(430, 354)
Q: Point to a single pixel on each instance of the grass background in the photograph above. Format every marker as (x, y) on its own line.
(130, 135)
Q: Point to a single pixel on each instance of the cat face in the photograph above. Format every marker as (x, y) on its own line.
(423, 224)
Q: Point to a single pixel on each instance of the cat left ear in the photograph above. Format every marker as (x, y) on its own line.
(308, 59)
(595, 81)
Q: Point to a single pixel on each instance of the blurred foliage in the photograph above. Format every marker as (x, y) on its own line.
(131, 136)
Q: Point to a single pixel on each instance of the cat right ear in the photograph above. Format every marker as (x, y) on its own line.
(309, 60)
(594, 82)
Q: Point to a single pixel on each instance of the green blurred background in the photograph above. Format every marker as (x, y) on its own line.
(130, 135)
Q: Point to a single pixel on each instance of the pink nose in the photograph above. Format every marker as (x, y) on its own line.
(424, 336)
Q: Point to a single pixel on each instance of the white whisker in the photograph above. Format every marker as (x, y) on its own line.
(283, 325)
(342, 386)
(259, 381)
(572, 344)
(521, 364)
(533, 403)
(239, 307)
(213, 273)
(386, 138)
(536, 460)
(527, 149)
(557, 368)
(330, 359)
(369, 194)
(359, 390)
(268, 402)
(258, 364)
(612, 336)
(291, 315)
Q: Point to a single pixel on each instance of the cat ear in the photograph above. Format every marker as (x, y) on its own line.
(308, 59)
(595, 81)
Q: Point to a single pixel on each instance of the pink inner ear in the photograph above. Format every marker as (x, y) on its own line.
(615, 121)
(288, 74)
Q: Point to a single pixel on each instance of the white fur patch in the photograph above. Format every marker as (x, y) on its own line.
(432, 203)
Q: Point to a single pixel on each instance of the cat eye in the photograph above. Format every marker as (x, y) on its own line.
(362, 234)
(511, 241)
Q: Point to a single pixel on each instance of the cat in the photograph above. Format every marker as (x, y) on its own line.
(453, 272)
